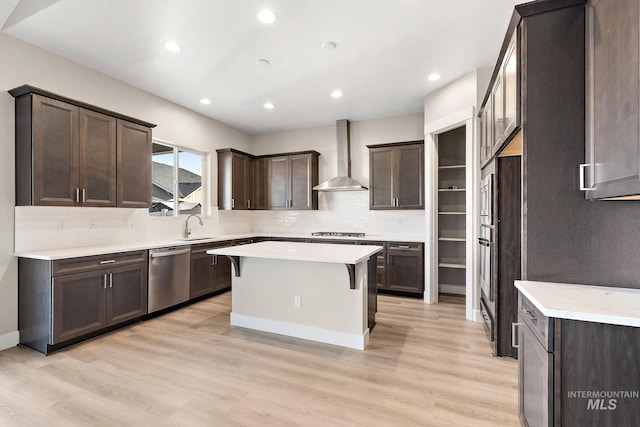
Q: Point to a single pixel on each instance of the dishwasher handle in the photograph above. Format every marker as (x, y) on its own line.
(171, 252)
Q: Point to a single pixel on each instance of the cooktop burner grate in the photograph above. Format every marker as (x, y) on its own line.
(337, 234)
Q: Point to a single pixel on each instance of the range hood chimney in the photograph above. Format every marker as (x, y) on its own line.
(342, 182)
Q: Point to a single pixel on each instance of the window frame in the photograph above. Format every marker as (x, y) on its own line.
(205, 208)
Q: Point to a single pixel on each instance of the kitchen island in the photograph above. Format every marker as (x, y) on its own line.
(320, 292)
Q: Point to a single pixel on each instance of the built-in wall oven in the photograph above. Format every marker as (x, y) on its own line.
(486, 260)
(486, 200)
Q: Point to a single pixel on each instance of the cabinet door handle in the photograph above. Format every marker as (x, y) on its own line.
(84, 195)
(248, 204)
(77, 195)
(514, 335)
(214, 259)
(111, 280)
(233, 203)
(583, 169)
(108, 261)
(104, 281)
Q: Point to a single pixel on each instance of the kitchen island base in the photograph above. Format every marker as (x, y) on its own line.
(302, 299)
(283, 290)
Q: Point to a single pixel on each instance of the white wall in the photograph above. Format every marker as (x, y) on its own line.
(343, 211)
(26, 64)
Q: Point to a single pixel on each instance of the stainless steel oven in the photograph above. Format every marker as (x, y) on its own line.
(486, 257)
(486, 200)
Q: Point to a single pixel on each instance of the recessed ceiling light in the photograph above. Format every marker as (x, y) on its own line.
(269, 105)
(205, 101)
(267, 16)
(172, 46)
(262, 62)
(336, 93)
(433, 77)
(329, 45)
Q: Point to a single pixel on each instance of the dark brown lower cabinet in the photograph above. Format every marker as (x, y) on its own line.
(59, 302)
(405, 267)
(90, 301)
(209, 273)
(576, 373)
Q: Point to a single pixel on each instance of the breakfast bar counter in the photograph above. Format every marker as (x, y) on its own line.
(316, 291)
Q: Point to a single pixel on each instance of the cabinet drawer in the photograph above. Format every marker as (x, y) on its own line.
(540, 325)
(404, 246)
(74, 265)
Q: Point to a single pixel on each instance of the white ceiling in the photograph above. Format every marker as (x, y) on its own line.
(386, 49)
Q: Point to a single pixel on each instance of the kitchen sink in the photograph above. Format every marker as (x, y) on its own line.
(195, 239)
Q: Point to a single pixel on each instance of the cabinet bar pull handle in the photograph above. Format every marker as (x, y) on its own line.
(111, 280)
(108, 261)
(514, 335)
(214, 259)
(104, 281)
(77, 195)
(233, 203)
(84, 195)
(248, 204)
(583, 169)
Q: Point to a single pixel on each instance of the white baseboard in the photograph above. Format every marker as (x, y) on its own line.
(343, 339)
(9, 340)
(452, 289)
(477, 316)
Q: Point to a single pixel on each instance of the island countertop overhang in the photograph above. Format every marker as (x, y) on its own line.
(296, 251)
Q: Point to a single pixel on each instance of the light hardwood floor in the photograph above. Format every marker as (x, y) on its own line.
(424, 366)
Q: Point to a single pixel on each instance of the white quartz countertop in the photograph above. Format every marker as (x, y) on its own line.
(601, 304)
(318, 252)
(81, 251)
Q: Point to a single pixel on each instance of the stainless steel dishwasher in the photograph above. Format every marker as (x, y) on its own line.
(168, 276)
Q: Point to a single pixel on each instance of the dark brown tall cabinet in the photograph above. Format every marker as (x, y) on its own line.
(396, 175)
(73, 154)
(613, 105)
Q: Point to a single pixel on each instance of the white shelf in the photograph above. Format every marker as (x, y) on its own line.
(452, 213)
(451, 167)
(452, 239)
(452, 263)
(451, 189)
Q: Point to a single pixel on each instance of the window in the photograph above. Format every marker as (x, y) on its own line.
(177, 181)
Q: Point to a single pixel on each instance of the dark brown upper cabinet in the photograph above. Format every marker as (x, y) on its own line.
(134, 165)
(499, 115)
(290, 181)
(260, 191)
(612, 151)
(396, 175)
(73, 154)
(235, 180)
(275, 181)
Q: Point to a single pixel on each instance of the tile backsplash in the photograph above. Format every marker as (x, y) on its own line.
(41, 228)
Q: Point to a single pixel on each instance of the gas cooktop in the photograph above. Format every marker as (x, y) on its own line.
(337, 234)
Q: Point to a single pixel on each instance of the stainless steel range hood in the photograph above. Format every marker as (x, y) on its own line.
(342, 182)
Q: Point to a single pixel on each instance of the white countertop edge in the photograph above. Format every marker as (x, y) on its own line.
(81, 251)
(314, 252)
(592, 311)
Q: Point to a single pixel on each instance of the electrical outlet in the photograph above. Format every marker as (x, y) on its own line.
(60, 225)
(297, 301)
(92, 223)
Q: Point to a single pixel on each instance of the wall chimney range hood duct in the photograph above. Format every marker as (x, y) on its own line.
(343, 182)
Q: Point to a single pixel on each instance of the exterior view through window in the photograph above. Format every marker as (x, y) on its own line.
(177, 184)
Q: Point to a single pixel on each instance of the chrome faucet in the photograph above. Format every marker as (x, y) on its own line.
(187, 230)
